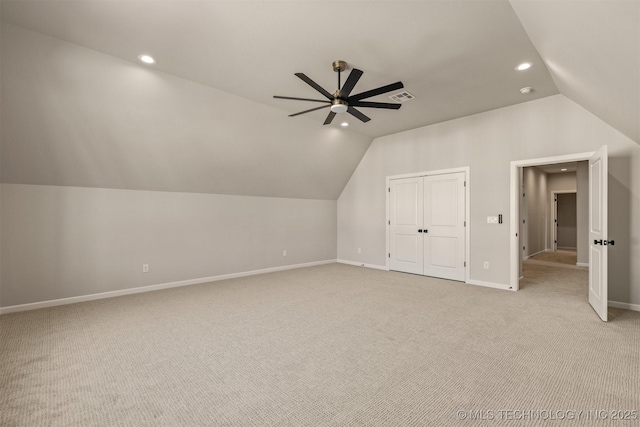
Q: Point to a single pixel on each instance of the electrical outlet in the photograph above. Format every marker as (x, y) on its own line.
(359, 250)
(145, 268)
(486, 265)
(492, 220)
(284, 253)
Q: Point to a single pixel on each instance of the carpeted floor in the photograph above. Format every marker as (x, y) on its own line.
(331, 345)
(559, 256)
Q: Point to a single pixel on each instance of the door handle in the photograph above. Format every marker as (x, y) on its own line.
(604, 242)
(420, 231)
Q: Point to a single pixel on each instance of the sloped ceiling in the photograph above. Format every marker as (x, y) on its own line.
(592, 49)
(222, 61)
(76, 117)
(456, 57)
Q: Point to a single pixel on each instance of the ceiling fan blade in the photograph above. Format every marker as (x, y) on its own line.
(348, 86)
(366, 104)
(374, 92)
(301, 99)
(308, 111)
(329, 118)
(314, 85)
(357, 114)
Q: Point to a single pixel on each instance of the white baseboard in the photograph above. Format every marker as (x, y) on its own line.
(625, 305)
(489, 284)
(582, 264)
(150, 288)
(361, 264)
(539, 252)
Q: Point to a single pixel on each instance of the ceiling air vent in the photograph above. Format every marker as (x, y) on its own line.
(401, 97)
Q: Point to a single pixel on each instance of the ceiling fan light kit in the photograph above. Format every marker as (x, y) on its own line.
(341, 101)
(339, 106)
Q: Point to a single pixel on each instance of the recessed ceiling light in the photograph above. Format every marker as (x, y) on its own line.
(147, 59)
(526, 90)
(344, 124)
(563, 169)
(524, 66)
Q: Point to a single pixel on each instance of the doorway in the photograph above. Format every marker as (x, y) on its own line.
(565, 221)
(597, 221)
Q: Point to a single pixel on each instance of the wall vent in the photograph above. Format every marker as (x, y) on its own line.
(401, 97)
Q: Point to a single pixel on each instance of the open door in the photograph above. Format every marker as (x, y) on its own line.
(598, 171)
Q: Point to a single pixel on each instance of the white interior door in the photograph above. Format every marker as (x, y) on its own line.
(405, 219)
(598, 171)
(555, 222)
(443, 226)
(523, 221)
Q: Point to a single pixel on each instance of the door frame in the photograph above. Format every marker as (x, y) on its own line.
(515, 208)
(467, 210)
(554, 226)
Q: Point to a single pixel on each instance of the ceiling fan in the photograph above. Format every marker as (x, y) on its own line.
(341, 101)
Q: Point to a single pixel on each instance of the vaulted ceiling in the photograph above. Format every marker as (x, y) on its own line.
(456, 57)
(592, 50)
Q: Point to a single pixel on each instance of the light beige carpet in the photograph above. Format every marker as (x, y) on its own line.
(330, 345)
(560, 257)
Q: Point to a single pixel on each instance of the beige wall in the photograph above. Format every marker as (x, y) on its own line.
(487, 143)
(60, 242)
(535, 190)
(78, 124)
(562, 181)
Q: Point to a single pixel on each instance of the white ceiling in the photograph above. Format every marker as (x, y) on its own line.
(456, 57)
(592, 49)
(558, 167)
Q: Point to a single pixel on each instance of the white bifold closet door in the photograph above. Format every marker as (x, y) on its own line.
(427, 225)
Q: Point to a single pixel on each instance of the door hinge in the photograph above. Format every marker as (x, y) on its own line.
(389, 255)
(465, 263)
(389, 222)
(389, 189)
(523, 221)
(465, 223)
(465, 183)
